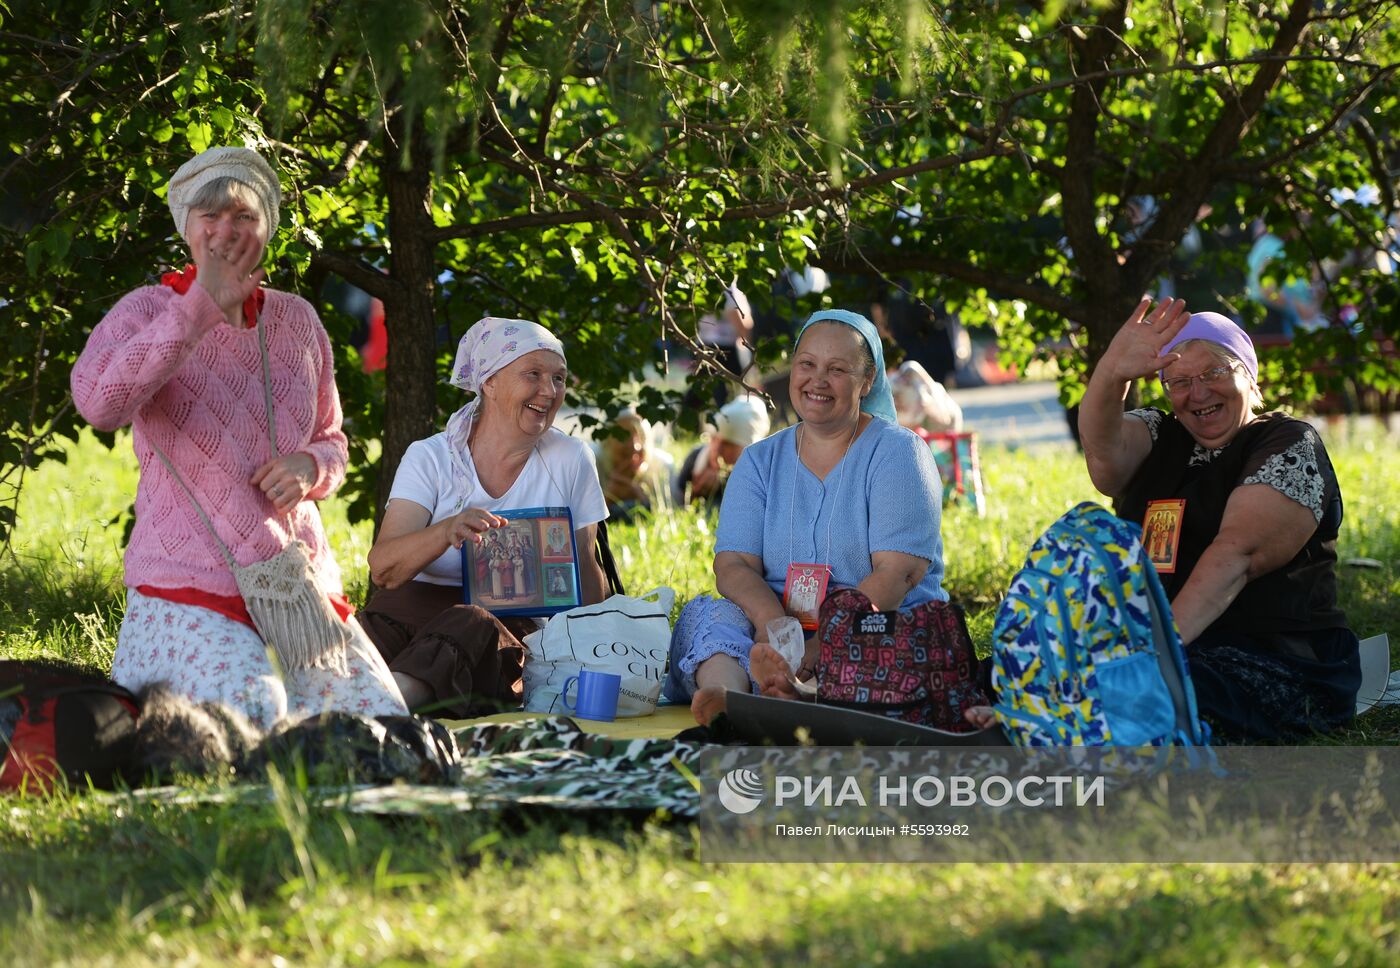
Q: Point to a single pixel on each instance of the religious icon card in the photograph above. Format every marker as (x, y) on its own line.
(805, 591)
(529, 566)
(1161, 533)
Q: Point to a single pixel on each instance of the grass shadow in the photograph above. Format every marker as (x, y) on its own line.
(104, 859)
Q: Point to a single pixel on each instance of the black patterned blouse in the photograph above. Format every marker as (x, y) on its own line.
(1279, 609)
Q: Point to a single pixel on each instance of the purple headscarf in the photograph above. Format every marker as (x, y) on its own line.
(1217, 329)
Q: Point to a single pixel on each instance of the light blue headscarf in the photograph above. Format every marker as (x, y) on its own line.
(879, 402)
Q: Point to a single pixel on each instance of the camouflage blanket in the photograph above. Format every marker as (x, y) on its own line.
(545, 762)
(551, 762)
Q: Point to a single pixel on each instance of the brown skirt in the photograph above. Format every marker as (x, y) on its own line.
(470, 659)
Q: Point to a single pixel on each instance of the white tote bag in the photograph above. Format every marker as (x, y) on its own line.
(625, 635)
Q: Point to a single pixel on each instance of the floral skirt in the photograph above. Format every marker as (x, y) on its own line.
(208, 657)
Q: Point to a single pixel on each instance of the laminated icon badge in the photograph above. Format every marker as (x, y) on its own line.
(805, 591)
(1161, 533)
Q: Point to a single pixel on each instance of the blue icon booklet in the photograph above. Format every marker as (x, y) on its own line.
(529, 566)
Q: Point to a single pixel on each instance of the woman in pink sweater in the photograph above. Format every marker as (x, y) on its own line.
(180, 362)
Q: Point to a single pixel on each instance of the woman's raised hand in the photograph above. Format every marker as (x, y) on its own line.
(1136, 350)
(469, 524)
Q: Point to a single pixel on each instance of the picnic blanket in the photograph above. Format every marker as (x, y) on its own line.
(665, 723)
(553, 762)
(519, 759)
(534, 761)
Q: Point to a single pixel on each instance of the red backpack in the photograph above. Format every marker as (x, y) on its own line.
(916, 665)
(60, 724)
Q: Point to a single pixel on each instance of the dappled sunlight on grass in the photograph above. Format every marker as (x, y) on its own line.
(675, 548)
(1026, 490)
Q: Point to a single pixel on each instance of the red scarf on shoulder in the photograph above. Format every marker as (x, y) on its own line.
(181, 282)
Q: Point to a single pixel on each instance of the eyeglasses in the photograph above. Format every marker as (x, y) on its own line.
(1182, 384)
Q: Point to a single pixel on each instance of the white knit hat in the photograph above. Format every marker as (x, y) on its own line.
(243, 165)
(742, 421)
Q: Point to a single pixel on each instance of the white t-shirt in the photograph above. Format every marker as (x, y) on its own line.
(560, 471)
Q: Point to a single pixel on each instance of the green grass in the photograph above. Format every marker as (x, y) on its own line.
(82, 882)
(202, 886)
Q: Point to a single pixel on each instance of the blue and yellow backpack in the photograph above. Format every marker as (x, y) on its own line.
(1085, 650)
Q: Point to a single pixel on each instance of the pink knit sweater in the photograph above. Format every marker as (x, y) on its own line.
(171, 366)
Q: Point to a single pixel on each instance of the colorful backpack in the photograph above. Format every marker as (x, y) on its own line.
(916, 665)
(1085, 650)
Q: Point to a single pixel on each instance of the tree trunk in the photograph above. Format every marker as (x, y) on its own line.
(410, 404)
(1107, 301)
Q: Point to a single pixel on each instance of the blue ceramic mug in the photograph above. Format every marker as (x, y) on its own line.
(597, 695)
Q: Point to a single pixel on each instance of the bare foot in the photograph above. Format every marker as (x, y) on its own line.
(707, 703)
(771, 671)
(981, 716)
(713, 677)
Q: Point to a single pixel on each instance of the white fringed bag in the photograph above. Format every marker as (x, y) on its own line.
(288, 608)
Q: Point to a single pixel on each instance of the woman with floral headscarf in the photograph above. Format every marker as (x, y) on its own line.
(500, 451)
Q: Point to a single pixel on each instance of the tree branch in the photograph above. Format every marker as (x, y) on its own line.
(1077, 185)
(883, 263)
(1197, 178)
(355, 271)
(1347, 106)
(857, 185)
(741, 213)
(1367, 136)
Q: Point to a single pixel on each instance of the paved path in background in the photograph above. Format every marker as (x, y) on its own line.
(1015, 414)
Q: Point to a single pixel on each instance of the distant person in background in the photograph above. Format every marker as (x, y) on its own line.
(634, 473)
(926, 333)
(1139, 212)
(921, 402)
(729, 333)
(1290, 298)
(1203, 266)
(374, 355)
(705, 470)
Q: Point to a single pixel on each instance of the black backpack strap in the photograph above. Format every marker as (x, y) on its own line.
(602, 551)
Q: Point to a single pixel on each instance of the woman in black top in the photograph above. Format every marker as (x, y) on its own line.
(1241, 513)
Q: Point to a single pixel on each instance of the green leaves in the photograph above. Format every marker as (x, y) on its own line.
(48, 245)
(221, 119)
(199, 135)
